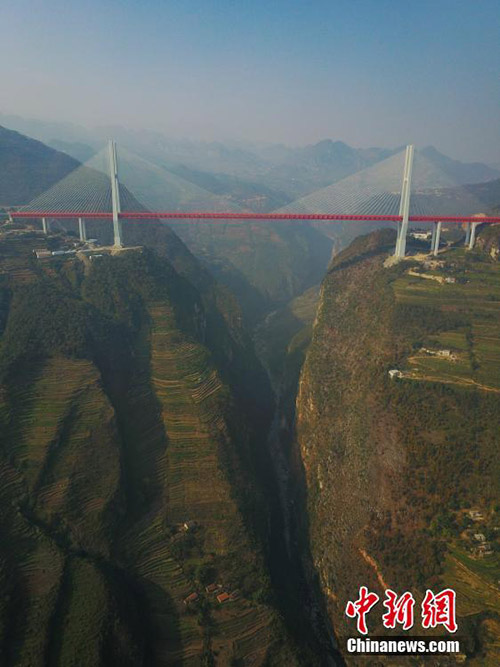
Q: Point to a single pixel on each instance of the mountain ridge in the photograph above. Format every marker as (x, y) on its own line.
(28, 167)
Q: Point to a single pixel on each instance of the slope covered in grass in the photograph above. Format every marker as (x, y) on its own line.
(121, 421)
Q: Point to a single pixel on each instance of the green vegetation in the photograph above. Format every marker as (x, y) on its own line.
(275, 336)
(394, 467)
(462, 317)
(129, 407)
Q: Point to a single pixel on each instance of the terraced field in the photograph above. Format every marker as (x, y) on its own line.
(192, 400)
(31, 563)
(476, 585)
(470, 331)
(55, 494)
(475, 343)
(122, 477)
(13, 255)
(84, 615)
(65, 442)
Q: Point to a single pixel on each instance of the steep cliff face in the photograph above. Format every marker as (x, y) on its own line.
(340, 411)
(489, 241)
(393, 467)
(129, 468)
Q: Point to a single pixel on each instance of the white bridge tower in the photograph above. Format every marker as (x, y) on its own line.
(115, 195)
(404, 205)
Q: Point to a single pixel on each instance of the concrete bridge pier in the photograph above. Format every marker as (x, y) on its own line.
(82, 228)
(433, 239)
(467, 233)
(437, 239)
(45, 226)
(472, 238)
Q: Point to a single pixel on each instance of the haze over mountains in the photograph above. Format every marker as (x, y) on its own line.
(184, 422)
(249, 334)
(287, 171)
(265, 264)
(28, 167)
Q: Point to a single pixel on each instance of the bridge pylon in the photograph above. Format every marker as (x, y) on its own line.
(115, 194)
(404, 204)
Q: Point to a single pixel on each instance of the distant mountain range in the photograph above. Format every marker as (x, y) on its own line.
(267, 263)
(461, 172)
(245, 172)
(28, 167)
(264, 264)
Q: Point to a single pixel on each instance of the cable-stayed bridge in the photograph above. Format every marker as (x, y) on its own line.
(402, 189)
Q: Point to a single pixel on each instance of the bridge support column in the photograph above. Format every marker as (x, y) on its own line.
(45, 226)
(467, 233)
(115, 195)
(472, 238)
(404, 205)
(433, 239)
(437, 239)
(82, 228)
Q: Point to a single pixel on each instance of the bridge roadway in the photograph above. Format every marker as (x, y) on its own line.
(232, 215)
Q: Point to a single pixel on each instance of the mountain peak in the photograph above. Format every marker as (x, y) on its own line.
(460, 172)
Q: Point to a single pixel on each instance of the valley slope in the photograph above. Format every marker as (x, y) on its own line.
(133, 415)
(395, 469)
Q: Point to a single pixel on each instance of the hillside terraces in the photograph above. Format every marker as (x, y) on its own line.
(193, 486)
(57, 433)
(408, 458)
(14, 260)
(117, 429)
(472, 298)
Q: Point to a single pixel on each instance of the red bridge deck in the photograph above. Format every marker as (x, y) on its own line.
(231, 215)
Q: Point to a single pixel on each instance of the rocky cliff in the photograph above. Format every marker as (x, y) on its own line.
(401, 473)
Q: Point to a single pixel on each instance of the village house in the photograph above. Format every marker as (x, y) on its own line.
(445, 354)
(211, 588)
(421, 235)
(483, 550)
(188, 525)
(42, 254)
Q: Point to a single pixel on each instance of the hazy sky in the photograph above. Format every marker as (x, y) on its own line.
(369, 72)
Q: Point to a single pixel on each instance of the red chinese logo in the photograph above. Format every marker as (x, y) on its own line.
(440, 609)
(360, 608)
(399, 610)
(437, 609)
